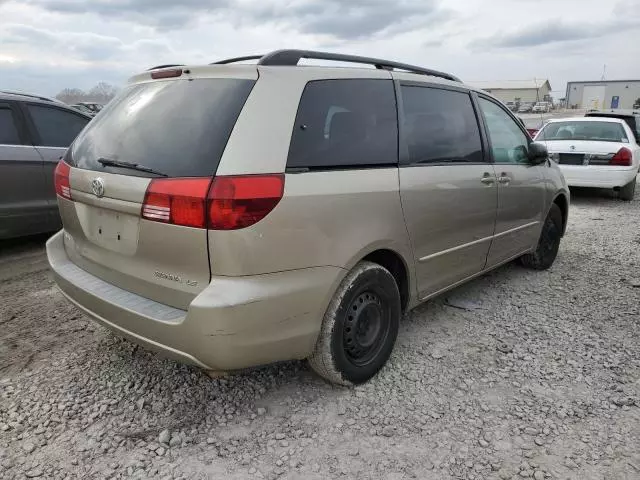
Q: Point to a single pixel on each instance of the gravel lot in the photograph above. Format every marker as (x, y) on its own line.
(518, 374)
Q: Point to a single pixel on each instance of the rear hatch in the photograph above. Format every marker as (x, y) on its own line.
(139, 172)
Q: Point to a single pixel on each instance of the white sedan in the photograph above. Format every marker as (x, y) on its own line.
(594, 152)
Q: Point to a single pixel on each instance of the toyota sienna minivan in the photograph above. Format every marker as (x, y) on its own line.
(233, 215)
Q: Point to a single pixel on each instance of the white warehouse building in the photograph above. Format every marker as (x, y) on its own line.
(603, 94)
(534, 90)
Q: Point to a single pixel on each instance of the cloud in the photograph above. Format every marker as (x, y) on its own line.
(342, 19)
(158, 13)
(357, 19)
(82, 45)
(46, 45)
(550, 32)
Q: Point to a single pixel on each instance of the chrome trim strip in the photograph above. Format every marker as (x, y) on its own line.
(454, 249)
(521, 227)
(476, 242)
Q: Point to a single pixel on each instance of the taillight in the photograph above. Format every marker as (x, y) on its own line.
(622, 158)
(227, 203)
(240, 201)
(61, 179)
(180, 201)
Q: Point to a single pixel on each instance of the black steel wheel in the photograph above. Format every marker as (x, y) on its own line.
(365, 328)
(360, 326)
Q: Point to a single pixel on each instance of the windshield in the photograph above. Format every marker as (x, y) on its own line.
(597, 131)
(179, 128)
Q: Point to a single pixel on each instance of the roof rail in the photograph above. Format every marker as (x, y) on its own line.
(30, 95)
(292, 57)
(158, 67)
(237, 59)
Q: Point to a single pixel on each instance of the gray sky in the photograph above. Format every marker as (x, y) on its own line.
(46, 45)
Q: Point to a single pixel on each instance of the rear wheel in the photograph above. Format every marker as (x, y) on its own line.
(545, 253)
(360, 326)
(628, 191)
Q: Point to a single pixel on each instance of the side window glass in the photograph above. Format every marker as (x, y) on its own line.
(8, 129)
(508, 143)
(345, 123)
(56, 128)
(440, 126)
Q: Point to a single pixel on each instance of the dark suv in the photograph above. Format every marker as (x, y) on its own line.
(34, 133)
(632, 117)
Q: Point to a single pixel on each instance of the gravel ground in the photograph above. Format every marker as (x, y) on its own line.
(518, 374)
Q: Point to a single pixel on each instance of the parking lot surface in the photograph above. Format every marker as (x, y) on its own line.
(518, 374)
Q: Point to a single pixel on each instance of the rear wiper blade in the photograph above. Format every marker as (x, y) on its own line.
(133, 166)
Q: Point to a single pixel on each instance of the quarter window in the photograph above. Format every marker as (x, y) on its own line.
(508, 143)
(440, 126)
(8, 130)
(346, 124)
(56, 127)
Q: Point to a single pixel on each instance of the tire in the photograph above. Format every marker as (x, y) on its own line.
(359, 327)
(628, 191)
(545, 253)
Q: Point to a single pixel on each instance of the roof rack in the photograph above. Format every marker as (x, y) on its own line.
(158, 67)
(292, 57)
(30, 95)
(237, 59)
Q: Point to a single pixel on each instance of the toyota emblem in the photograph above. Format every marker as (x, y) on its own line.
(98, 187)
(572, 147)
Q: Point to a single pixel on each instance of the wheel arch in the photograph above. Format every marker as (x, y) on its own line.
(562, 202)
(395, 263)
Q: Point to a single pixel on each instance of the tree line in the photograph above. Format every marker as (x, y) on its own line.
(101, 93)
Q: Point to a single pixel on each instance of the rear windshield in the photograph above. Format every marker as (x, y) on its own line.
(597, 131)
(178, 128)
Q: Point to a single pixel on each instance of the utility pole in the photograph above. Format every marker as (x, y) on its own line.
(604, 72)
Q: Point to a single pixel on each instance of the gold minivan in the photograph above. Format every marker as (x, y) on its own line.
(233, 215)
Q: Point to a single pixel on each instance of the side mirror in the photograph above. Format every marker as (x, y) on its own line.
(538, 153)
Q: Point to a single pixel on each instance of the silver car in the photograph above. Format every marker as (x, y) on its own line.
(34, 134)
(233, 215)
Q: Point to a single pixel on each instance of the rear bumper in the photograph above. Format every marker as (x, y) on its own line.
(598, 177)
(234, 323)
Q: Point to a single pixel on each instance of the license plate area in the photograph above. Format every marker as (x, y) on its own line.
(571, 159)
(115, 231)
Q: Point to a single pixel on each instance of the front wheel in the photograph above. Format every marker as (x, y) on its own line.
(360, 326)
(545, 253)
(628, 191)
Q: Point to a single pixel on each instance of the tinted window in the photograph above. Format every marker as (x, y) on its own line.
(509, 144)
(345, 123)
(56, 127)
(584, 130)
(440, 126)
(178, 127)
(8, 130)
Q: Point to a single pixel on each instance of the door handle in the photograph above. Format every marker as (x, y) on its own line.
(487, 178)
(504, 179)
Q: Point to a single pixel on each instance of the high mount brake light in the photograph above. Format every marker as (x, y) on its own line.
(166, 73)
